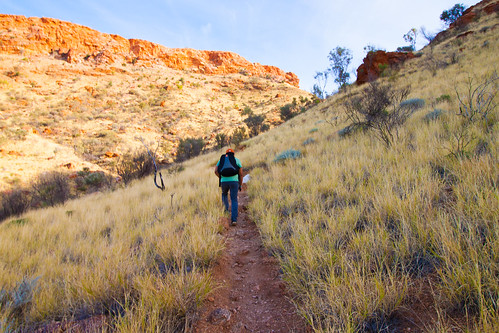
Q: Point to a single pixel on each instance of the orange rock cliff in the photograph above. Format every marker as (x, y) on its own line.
(76, 43)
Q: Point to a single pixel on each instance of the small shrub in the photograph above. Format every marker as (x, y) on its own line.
(477, 100)
(313, 130)
(288, 111)
(255, 124)
(19, 222)
(51, 189)
(461, 140)
(383, 69)
(405, 48)
(433, 115)
(221, 140)
(308, 141)
(382, 109)
(188, 148)
(238, 136)
(443, 98)
(14, 203)
(289, 154)
(247, 111)
(134, 166)
(95, 179)
(17, 302)
(346, 131)
(413, 103)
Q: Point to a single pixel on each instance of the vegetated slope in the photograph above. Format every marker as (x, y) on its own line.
(376, 239)
(87, 96)
(370, 238)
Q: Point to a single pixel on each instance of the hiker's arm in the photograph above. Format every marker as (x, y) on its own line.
(216, 172)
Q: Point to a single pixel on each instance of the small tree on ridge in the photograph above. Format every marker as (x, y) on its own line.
(451, 15)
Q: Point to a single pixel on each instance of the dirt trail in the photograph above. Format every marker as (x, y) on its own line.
(251, 296)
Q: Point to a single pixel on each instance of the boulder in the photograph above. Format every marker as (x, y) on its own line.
(376, 62)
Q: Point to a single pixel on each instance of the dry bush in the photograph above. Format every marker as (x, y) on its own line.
(189, 148)
(134, 166)
(478, 99)
(14, 202)
(382, 109)
(50, 189)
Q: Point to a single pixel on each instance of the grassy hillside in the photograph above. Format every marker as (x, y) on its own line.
(367, 235)
(371, 237)
(58, 116)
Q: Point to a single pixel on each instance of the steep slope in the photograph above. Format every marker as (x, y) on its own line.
(402, 238)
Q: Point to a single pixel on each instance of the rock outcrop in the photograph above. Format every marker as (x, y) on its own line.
(75, 43)
(485, 7)
(375, 63)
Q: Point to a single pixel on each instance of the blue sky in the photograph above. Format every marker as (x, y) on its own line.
(295, 35)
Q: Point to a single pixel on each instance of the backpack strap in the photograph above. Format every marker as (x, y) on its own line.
(221, 163)
(232, 161)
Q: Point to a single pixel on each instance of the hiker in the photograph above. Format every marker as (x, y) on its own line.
(229, 171)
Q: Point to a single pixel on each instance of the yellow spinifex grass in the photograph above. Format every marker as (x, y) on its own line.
(353, 222)
(118, 250)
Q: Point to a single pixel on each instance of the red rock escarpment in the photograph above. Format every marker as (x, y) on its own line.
(376, 62)
(75, 43)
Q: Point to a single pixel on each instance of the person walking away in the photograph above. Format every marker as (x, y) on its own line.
(229, 171)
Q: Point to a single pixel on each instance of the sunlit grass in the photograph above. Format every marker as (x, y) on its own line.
(96, 254)
(352, 222)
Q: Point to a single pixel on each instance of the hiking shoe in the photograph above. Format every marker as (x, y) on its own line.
(233, 223)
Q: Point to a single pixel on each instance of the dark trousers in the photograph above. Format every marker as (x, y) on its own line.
(233, 187)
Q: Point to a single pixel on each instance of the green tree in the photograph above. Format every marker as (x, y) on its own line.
(340, 59)
(238, 136)
(222, 140)
(451, 15)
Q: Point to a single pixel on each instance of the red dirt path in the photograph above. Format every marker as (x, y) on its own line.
(250, 289)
